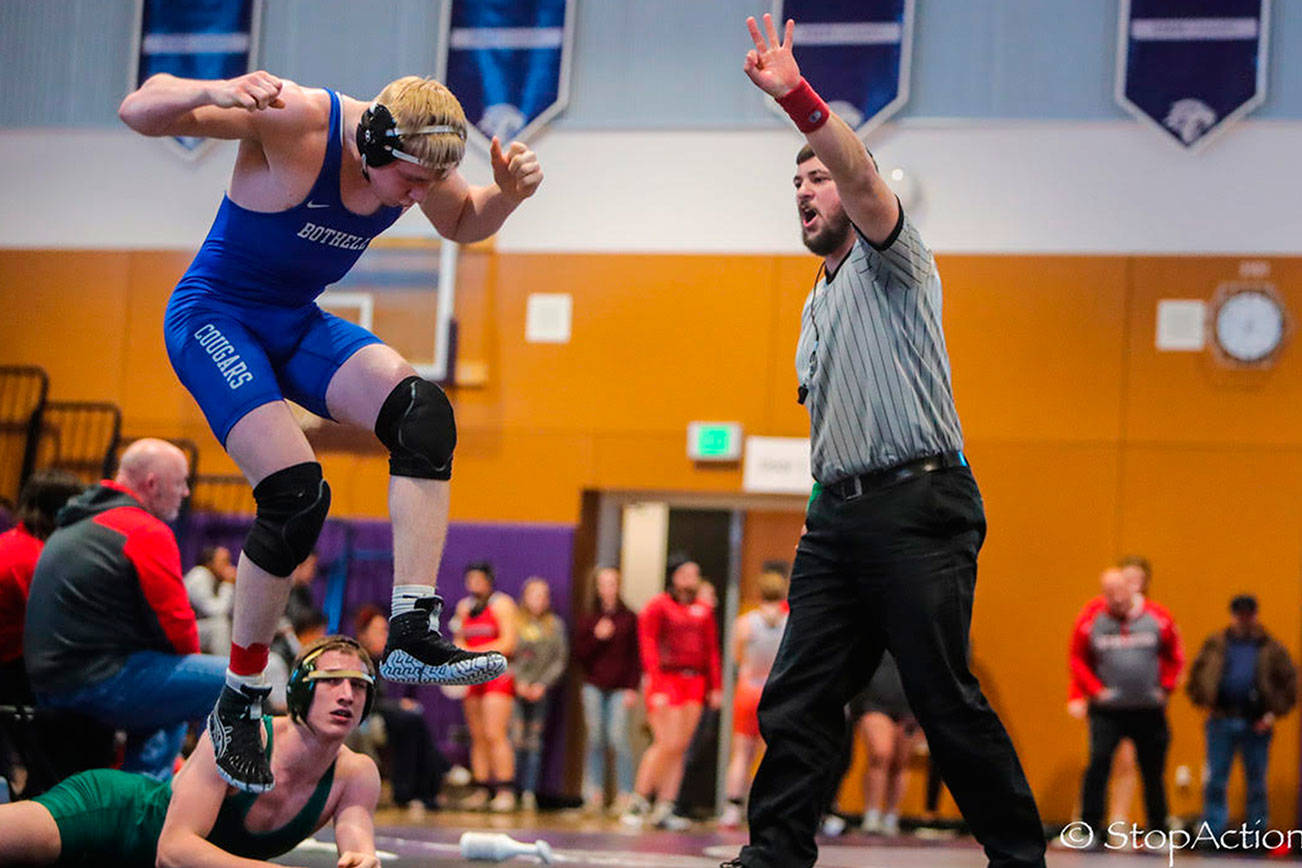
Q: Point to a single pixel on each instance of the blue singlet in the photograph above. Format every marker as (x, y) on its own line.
(242, 329)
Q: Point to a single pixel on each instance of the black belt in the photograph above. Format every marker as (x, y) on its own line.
(855, 486)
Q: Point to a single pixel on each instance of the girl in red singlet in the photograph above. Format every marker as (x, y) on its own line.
(680, 656)
(485, 621)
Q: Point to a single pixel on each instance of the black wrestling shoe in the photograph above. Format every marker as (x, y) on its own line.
(417, 653)
(235, 727)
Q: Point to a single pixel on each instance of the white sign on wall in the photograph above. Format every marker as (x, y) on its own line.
(777, 465)
(1180, 324)
(547, 318)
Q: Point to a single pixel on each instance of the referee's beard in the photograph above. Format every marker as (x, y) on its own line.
(828, 239)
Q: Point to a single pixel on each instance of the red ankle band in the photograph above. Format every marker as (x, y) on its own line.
(248, 661)
(805, 107)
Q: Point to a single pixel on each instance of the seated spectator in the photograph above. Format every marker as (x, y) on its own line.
(301, 607)
(285, 646)
(43, 495)
(1246, 681)
(110, 632)
(210, 585)
(541, 656)
(416, 766)
(605, 645)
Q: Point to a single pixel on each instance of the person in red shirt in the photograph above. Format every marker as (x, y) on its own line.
(1125, 659)
(43, 495)
(680, 657)
(486, 621)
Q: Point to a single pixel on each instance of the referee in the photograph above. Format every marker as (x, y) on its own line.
(889, 556)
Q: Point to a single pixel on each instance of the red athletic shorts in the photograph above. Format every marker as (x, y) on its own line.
(504, 684)
(673, 689)
(745, 709)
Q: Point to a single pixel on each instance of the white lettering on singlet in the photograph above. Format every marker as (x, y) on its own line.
(332, 237)
(224, 355)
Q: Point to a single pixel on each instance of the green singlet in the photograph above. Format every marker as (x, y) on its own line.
(113, 819)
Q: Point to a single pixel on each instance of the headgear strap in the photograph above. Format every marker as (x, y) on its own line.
(380, 141)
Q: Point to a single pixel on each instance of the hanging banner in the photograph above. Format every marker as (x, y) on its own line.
(508, 62)
(204, 39)
(1191, 68)
(855, 53)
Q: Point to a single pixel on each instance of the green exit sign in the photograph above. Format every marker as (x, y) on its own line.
(714, 441)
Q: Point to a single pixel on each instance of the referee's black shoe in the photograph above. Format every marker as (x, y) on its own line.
(417, 653)
(235, 727)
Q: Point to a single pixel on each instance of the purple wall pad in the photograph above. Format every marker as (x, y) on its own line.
(365, 549)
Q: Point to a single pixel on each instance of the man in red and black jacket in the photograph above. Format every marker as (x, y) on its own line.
(1125, 661)
(110, 632)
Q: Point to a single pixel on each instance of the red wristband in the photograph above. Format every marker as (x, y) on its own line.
(805, 107)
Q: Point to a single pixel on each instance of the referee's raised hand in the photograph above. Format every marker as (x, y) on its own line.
(770, 64)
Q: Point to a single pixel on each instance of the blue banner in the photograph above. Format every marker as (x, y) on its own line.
(855, 53)
(1190, 67)
(508, 63)
(204, 39)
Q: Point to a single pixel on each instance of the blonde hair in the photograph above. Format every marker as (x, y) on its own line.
(547, 622)
(417, 102)
(772, 587)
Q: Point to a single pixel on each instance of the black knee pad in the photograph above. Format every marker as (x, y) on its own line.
(292, 507)
(417, 427)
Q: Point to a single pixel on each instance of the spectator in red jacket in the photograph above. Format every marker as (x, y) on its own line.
(1125, 661)
(680, 656)
(110, 632)
(43, 495)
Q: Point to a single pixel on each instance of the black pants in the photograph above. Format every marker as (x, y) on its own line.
(1148, 730)
(894, 568)
(417, 767)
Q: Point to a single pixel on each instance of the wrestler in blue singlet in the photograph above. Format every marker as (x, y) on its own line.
(242, 329)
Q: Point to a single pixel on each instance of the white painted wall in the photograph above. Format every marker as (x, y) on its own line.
(986, 187)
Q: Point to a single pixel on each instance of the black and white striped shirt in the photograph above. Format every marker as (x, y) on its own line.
(872, 355)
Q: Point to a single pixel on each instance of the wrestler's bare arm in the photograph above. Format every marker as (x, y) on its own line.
(197, 795)
(465, 214)
(354, 817)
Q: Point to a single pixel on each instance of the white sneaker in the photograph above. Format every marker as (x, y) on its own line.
(891, 825)
(672, 822)
(731, 817)
(872, 822)
(833, 826)
(502, 803)
(458, 776)
(528, 802)
(636, 813)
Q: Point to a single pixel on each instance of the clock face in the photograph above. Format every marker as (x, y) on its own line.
(1249, 326)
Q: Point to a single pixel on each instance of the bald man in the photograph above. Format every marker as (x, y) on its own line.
(1125, 661)
(110, 632)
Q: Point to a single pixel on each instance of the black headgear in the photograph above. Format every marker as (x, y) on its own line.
(379, 140)
(304, 676)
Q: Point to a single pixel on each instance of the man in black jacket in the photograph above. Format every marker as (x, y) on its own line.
(110, 632)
